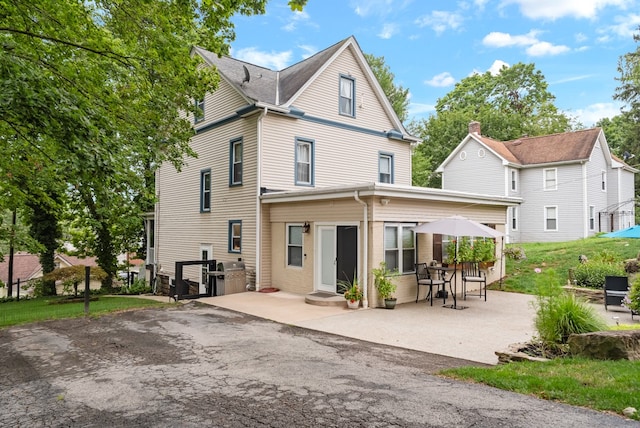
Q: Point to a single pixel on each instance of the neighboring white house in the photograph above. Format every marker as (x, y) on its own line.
(570, 184)
(303, 174)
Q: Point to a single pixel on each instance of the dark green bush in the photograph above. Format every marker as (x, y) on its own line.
(592, 273)
(632, 266)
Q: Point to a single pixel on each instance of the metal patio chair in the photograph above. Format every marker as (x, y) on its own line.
(426, 279)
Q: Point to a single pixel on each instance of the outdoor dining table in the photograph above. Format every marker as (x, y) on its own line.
(442, 272)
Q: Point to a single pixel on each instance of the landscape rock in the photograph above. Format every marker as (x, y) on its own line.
(629, 412)
(606, 345)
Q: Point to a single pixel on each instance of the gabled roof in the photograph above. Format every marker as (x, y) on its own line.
(281, 88)
(554, 148)
(26, 265)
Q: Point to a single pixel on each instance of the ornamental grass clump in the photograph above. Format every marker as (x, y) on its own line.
(632, 300)
(560, 314)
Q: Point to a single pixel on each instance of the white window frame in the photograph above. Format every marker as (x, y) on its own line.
(233, 236)
(205, 191)
(235, 163)
(389, 158)
(347, 101)
(550, 183)
(547, 210)
(514, 218)
(291, 245)
(300, 163)
(603, 180)
(208, 249)
(592, 217)
(399, 248)
(514, 180)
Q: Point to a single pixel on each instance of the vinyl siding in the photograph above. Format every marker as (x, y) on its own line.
(568, 198)
(181, 225)
(595, 196)
(340, 156)
(321, 98)
(475, 169)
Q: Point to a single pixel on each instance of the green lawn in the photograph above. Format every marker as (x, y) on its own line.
(561, 256)
(601, 385)
(47, 308)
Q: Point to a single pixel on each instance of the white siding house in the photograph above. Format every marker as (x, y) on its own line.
(302, 174)
(571, 185)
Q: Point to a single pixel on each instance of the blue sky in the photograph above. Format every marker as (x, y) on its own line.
(431, 44)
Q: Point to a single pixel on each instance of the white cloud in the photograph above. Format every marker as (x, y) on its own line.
(501, 40)
(625, 27)
(440, 21)
(593, 113)
(388, 30)
(497, 66)
(418, 109)
(581, 38)
(273, 60)
(441, 80)
(546, 48)
(535, 47)
(296, 18)
(554, 9)
(308, 50)
(572, 79)
(372, 7)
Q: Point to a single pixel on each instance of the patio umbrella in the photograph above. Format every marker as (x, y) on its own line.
(457, 226)
(629, 232)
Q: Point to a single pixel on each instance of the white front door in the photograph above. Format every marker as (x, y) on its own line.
(326, 275)
(205, 254)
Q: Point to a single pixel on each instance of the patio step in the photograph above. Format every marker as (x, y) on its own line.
(319, 298)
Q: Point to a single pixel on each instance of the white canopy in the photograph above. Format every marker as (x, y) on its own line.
(457, 226)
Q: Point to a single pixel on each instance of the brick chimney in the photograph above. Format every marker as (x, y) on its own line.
(474, 127)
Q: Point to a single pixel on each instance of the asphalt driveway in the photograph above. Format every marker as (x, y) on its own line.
(196, 365)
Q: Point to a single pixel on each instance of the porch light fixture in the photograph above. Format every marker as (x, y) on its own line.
(306, 227)
(384, 201)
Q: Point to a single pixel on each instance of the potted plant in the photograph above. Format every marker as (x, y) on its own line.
(383, 279)
(352, 292)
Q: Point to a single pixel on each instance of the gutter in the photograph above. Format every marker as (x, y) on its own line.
(258, 200)
(365, 248)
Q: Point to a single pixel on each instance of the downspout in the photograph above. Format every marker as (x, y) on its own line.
(365, 250)
(258, 202)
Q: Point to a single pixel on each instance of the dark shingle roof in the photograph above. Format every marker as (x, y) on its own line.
(263, 83)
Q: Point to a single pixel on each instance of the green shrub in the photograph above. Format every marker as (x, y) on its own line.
(632, 300)
(559, 314)
(592, 273)
(632, 266)
(137, 287)
(515, 253)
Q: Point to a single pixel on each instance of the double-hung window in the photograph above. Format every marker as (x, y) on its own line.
(199, 113)
(304, 162)
(550, 179)
(205, 190)
(294, 245)
(592, 217)
(514, 218)
(400, 247)
(385, 168)
(514, 180)
(235, 236)
(551, 218)
(347, 96)
(603, 181)
(235, 161)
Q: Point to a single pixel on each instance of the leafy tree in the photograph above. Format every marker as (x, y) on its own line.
(396, 94)
(512, 103)
(94, 95)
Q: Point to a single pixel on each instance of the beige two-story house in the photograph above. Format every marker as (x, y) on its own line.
(303, 174)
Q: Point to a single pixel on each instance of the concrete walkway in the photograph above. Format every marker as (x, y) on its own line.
(474, 333)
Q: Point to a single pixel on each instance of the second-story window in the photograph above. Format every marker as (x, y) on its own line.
(550, 179)
(205, 190)
(385, 168)
(514, 180)
(304, 162)
(347, 96)
(235, 174)
(603, 181)
(199, 114)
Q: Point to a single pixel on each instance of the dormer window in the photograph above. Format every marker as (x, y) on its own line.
(347, 96)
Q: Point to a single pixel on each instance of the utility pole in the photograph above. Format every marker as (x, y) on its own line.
(12, 236)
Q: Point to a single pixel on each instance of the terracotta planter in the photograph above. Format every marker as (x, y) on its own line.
(486, 265)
